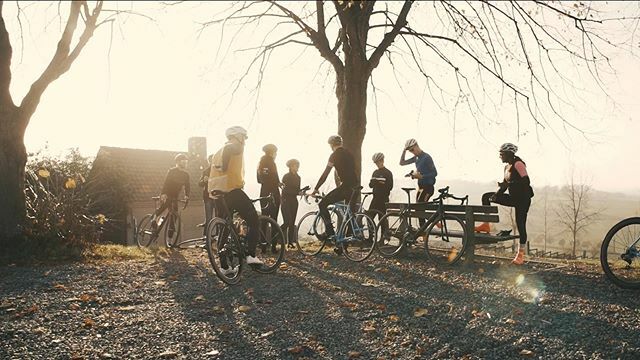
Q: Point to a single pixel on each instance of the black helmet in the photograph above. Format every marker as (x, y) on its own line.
(181, 157)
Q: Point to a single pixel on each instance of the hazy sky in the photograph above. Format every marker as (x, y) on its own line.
(158, 84)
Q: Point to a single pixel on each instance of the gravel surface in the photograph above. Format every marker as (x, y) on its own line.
(172, 306)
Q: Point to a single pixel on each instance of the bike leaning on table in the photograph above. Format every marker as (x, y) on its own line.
(620, 253)
(445, 235)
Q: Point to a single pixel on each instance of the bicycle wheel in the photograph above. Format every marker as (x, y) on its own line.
(145, 234)
(270, 247)
(225, 251)
(359, 233)
(311, 237)
(620, 254)
(391, 236)
(445, 239)
(172, 235)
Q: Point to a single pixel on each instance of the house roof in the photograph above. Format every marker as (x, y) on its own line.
(142, 171)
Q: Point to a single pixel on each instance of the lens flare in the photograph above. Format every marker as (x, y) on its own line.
(519, 280)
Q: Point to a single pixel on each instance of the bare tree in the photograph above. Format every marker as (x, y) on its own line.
(15, 117)
(516, 46)
(575, 212)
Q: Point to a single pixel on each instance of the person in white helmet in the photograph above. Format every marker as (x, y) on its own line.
(426, 171)
(517, 183)
(344, 164)
(381, 184)
(227, 176)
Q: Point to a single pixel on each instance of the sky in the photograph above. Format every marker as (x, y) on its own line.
(152, 84)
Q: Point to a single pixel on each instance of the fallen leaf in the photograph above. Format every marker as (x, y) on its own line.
(283, 266)
(349, 305)
(369, 329)
(212, 353)
(160, 283)
(168, 355)
(244, 308)
(267, 334)
(86, 298)
(127, 308)
(527, 353)
(353, 354)
(218, 309)
(303, 312)
(371, 285)
(88, 322)
(39, 331)
(60, 287)
(74, 306)
(295, 350)
(510, 321)
(47, 273)
(394, 318)
(173, 278)
(199, 298)
(381, 307)
(420, 312)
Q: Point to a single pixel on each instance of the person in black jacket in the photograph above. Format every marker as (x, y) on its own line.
(381, 183)
(290, 191)
(268, 177)
(517, 182)
(209, 203)
(177, 178)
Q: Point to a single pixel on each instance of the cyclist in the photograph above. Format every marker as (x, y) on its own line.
(381, 183)
(227, 176)
(208, 201)
(344, 164)
(177, 178)
(517, 182)
(426, 171)
(268, 176)
(290, 191)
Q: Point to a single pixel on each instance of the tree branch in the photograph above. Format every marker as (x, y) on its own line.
(389, 37)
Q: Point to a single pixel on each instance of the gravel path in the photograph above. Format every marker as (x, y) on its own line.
(172, 306)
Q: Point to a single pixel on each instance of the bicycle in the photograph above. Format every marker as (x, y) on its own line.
(355, 235)
(146, 234)
(226, 243)
(445, 237)
(620, 254)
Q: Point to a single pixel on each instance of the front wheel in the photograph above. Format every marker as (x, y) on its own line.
(445, 239)
(620, 255)
(391, 232)
(359, 232)
(311, 237)
(146, 234)
(225, 251)
(172, 230)
(270, 247)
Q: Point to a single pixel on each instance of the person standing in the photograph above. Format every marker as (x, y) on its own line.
(208, 201)
(381, 184)
(267, 175)
(290, 192)
(517, 183)
(426, 171)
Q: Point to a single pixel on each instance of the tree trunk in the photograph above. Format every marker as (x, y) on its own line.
(351, 91)
(13, 158)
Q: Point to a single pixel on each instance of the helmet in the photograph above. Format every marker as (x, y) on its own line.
(335, 140)
(180, 157)
(235, 131)
(509, 147)
(269, 148)
(292, 162)
(410, 143)
(377, 157)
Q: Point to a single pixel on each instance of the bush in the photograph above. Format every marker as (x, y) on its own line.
(59, 221)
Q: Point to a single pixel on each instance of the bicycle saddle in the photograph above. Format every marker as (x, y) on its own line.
(408, 189)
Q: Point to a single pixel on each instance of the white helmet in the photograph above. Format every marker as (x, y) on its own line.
(509, 147)
(377, 157)
(410, 143)
(236, 131)
(335, 140)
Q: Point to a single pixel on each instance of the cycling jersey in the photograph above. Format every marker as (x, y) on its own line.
(426, 167)
(381, 182)
(268, 172)
(176, 178)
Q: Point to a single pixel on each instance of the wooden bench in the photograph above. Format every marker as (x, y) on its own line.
(469, 214)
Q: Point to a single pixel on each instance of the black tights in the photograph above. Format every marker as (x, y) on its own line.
(521, 206)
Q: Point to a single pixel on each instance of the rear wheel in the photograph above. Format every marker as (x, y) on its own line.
(271, 245)
(172, 234)
(620, 254)
(445, 239)
(359, 233)
(391, 232)
(146, 235)
(225, 251)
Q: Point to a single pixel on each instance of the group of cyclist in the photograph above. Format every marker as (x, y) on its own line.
(225, 175)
